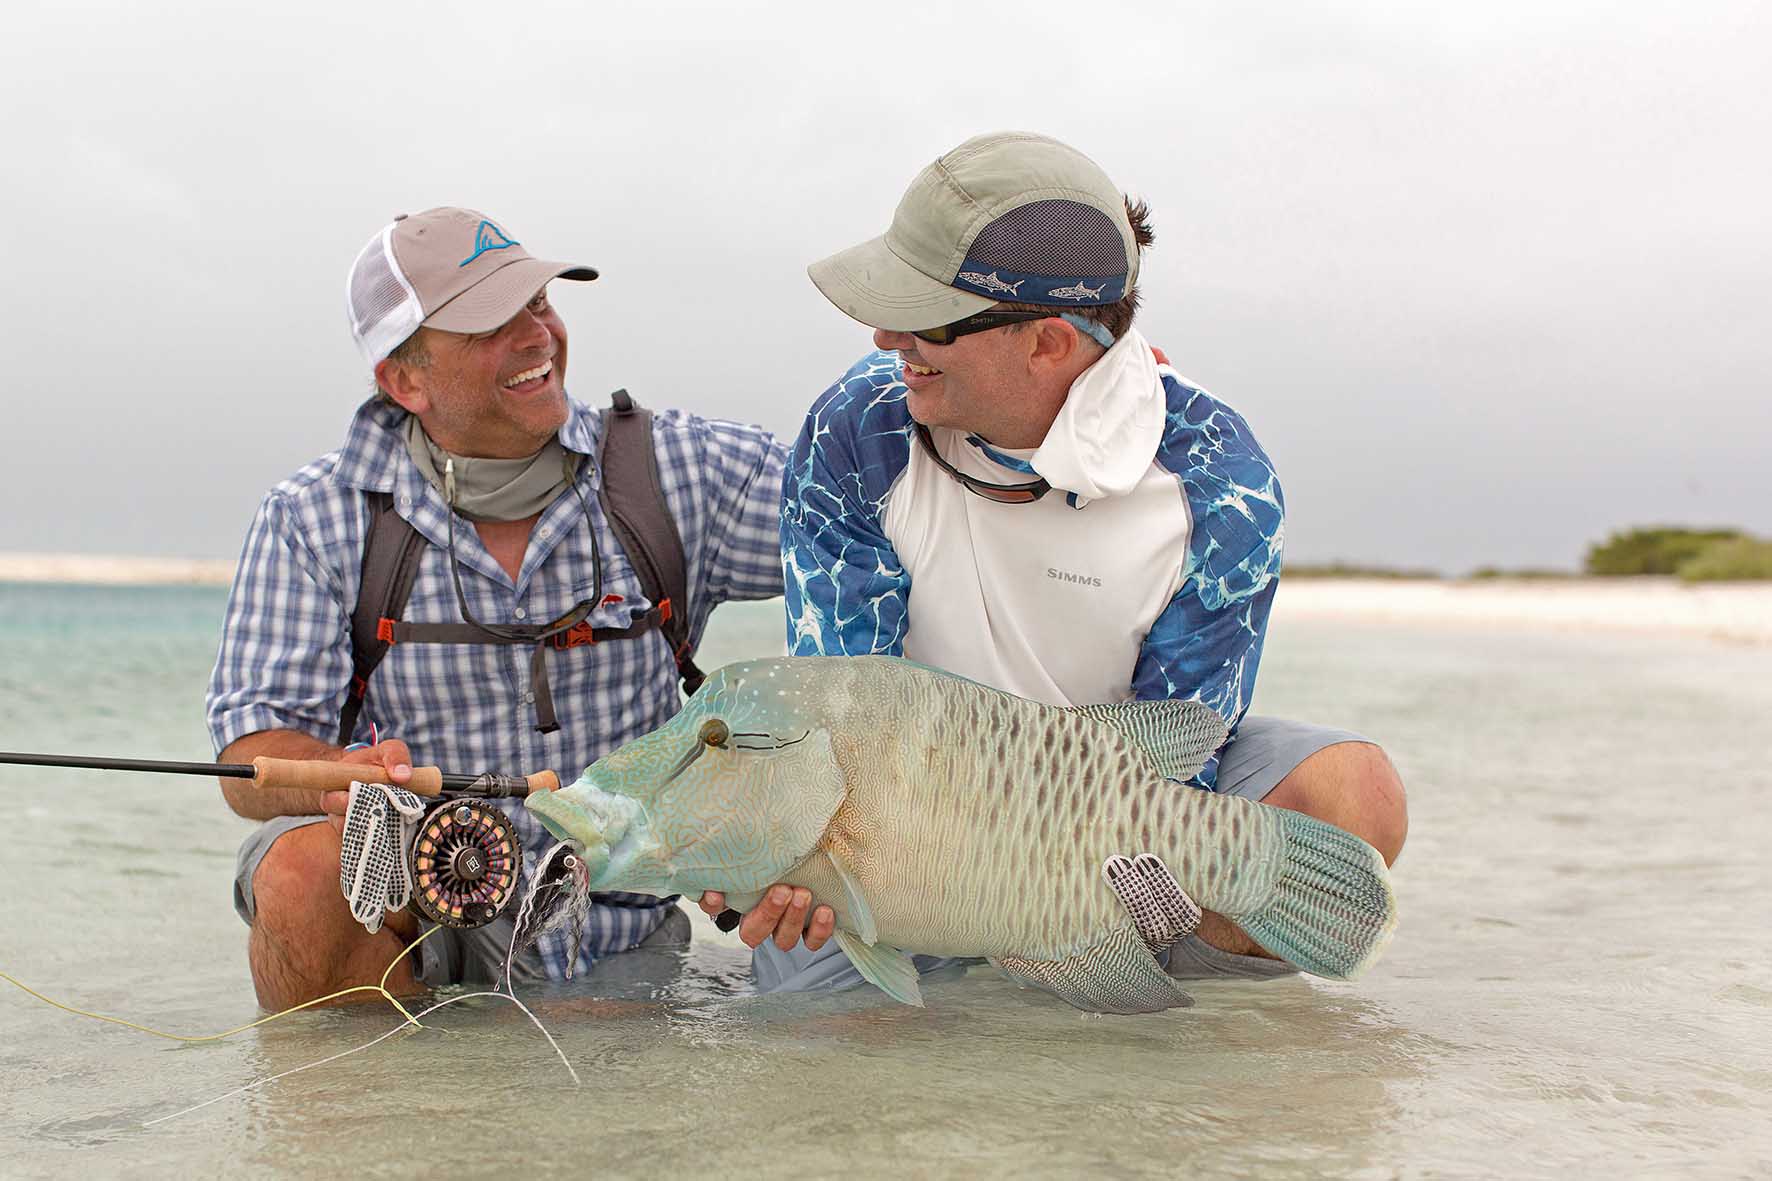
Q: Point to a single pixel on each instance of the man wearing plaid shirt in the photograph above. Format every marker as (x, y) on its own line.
(469, 360)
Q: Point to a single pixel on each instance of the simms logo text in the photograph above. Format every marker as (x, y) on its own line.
(1067, 576)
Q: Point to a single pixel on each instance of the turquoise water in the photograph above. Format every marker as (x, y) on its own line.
(1582, 979)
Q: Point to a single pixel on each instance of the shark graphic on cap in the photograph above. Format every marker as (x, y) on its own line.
(1078, 292)
(488, 237)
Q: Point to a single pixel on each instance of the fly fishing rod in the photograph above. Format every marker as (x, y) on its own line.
(465, 857)
(313, 775)
(468, 872)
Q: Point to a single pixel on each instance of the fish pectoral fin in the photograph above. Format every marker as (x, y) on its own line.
(861, 915)
(1117, 975)
(1177, 737)
(886, 968)
(1158, 906)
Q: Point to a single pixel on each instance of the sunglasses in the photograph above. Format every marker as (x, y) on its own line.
(1001, 493)
(982, 322)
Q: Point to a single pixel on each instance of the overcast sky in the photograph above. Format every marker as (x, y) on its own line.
(1488, 280)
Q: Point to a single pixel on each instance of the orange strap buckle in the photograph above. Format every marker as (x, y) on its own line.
(384, 630)
(576, 636)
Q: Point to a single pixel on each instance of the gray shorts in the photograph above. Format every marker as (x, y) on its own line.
(451, 956)
(1265, 751)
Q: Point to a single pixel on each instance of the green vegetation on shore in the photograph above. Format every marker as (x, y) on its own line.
(1692, 555)
(1487, 572)
(1744, 559)
(1350, 570)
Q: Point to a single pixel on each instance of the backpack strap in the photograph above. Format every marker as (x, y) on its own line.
(634, 501)
(392, 549)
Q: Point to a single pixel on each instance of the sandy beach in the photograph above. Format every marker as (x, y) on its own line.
(1739, 612)
(102, 570)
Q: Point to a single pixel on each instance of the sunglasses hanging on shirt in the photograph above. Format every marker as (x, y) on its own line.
(1001, 493)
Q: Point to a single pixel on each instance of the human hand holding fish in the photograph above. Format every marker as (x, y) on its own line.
(781, 914)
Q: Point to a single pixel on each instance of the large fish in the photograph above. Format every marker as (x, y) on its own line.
(937, 815)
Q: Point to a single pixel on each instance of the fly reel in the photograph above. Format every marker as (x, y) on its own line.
(465, 862)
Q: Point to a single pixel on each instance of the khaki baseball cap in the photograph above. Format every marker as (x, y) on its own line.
(1009, 217)
(447, 268)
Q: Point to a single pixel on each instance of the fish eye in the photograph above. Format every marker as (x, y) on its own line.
(714, 732)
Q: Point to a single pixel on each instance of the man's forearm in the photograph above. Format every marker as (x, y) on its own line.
(259, 803)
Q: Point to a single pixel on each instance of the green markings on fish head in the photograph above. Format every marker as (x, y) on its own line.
(728, 795)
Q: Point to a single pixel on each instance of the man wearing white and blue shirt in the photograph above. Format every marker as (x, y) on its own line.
(1017, 487)
(472, 437)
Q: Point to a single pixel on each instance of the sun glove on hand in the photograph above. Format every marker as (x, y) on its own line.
(380, 825)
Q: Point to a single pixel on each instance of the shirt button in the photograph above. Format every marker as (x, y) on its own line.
(529, 698)
(546, 531)
(520, 613)
(405, 501)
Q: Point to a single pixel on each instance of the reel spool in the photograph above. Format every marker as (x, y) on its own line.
(465, 862)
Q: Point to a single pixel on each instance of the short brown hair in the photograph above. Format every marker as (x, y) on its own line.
(1116, 317)
(411, 351)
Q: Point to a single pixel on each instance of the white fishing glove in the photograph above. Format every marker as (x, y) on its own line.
(380, 825)
(1160, 908)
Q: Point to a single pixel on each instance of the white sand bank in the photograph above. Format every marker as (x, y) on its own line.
(115, 571)
(1741, 612)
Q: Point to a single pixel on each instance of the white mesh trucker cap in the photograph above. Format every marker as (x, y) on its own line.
(446, 268)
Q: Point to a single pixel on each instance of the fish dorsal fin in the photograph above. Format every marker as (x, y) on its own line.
(887, 968)
(861, 915)
(1177, 737)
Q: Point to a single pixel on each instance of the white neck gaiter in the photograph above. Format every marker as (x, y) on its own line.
(493, 489)
(1107, 432)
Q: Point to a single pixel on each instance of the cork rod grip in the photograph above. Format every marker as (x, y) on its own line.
(321, 775)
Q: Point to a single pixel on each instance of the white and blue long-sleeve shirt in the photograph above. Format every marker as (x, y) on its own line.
(1158, 586)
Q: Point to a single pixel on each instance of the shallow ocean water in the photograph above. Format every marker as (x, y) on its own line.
(1582, 979)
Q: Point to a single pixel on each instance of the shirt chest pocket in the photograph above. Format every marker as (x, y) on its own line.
(623, 600)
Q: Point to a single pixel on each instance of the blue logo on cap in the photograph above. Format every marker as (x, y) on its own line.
(488, 237)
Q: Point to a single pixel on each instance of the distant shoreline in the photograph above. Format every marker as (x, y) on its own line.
(1739, 612)
(100, 570)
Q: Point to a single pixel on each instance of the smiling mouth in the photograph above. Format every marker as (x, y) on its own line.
(529, 375)
(921, 370)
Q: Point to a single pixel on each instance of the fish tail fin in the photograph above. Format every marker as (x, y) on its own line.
(1333, 910)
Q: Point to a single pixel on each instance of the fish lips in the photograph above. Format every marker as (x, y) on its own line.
(586, 829)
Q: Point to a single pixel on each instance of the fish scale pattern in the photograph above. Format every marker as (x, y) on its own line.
(965, 821)
(1002, 792)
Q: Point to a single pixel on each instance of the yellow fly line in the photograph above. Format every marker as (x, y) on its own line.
(212, 1037)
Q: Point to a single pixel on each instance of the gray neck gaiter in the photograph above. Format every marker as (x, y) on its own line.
(493, 489)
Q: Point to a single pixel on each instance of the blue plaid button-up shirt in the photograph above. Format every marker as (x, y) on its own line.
(285, 659)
